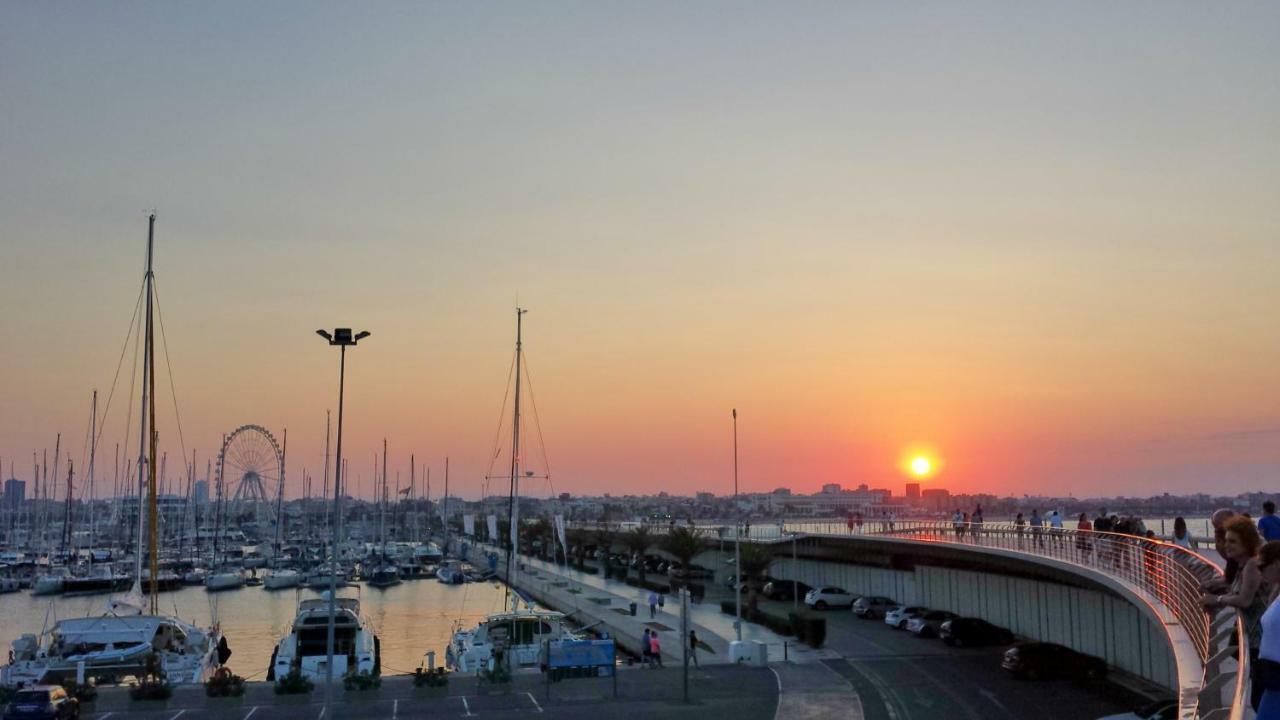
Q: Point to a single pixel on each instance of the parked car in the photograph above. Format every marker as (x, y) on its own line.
(786, 589)
(927, 624)
(42, 702)
(1158, 710)
(898, 615)
(973, 631)
(829, 596)
(693, 572)
(872, 606)
(1046, 660)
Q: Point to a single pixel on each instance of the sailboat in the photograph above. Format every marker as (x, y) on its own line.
(514, 637)
(279, 577)
(384, 575)
(126, 639)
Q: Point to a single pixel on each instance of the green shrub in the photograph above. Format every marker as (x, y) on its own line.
(295, 683)
(430, 678)
(362, 681)
(224, 684)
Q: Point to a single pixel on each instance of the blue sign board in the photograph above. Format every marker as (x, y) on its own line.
(582, 653)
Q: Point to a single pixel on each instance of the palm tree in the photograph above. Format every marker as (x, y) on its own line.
(756, 561)
(684, 542)
(639, 540)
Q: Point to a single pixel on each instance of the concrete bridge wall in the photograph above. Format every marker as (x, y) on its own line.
(1090, 621)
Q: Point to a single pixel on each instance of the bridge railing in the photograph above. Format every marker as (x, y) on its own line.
(1168, 576)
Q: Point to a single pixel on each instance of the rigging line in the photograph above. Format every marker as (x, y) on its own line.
(164, 341)
(133, 381)
(137, 308)
(497, 435)
(537, 423)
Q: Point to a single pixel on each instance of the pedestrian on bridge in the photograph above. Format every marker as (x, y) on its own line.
(693, 647)
(653, 604)
(1037, 527)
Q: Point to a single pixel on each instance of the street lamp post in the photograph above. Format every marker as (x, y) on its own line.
(737, 537)
(343, 338)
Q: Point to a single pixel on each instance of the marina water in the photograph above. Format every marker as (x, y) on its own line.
(410, 618)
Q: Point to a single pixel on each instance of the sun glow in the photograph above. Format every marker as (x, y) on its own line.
(920, 466)
(920, 462)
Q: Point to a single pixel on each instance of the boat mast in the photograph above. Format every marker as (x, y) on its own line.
(153, 519)
(284, 454)
(93, 451)
(514, 512)
(142, 414)
(382, 511)
(66, 516)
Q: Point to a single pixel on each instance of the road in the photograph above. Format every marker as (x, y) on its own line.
(719, 693)
(899, 676)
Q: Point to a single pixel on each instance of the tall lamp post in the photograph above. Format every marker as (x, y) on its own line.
(343, 338)
(737, 537)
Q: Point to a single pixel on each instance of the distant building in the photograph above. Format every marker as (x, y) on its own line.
(831, 488)
(936, 499)
(201, 492)
(782, 491)
(913, 494)
(15, 491)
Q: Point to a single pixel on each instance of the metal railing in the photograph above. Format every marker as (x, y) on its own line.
(1167, 577)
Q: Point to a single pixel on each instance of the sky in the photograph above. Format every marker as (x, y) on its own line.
(1038, 239)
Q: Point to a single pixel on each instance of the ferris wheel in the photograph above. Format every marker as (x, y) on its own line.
(250, 471)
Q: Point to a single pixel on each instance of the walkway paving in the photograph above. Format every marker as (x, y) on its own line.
(593, 596)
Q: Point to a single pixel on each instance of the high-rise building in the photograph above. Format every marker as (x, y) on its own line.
(913, 494)
(15, 491)
(201, 492)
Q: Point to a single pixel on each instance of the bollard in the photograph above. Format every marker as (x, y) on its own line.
(431, 660)
(785, 654)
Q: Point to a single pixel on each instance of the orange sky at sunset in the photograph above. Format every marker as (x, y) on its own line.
(1049, 255)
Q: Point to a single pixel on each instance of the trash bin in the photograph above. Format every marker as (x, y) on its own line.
(633, 609)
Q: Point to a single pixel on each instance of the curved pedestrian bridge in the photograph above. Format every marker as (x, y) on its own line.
(1130, 600)
(1160, 580)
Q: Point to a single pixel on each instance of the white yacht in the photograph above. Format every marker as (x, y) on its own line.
(52, 582)
(305, 648)
(321, 575)
(224, 579)
(112, 646)
(522, 633)
(281, 578)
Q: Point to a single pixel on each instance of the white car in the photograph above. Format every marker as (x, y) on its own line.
(898, 616)
(821, 598)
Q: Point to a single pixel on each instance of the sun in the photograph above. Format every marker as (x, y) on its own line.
(921, 466)
(920, 462)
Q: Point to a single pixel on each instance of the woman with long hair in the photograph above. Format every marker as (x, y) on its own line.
(1248, 592)
(1181, 537)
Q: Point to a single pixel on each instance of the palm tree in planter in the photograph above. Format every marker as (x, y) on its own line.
(684, 543)
(604, 537)
(639, 540)
(756, 561)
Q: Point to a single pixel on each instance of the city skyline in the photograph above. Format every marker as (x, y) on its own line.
(1040, 245)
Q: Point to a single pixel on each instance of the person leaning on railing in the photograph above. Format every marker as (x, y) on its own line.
(1265, 670)
(1248, 593)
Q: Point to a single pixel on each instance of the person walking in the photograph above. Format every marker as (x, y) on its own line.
(646, 648)
(653, 604)
(1055, 526)
(1181, 536)
(1019, 524)
(957, 523)
(1083, 526)
(693, 646)
(655, 650)
(976, 529)
(1269, 524)
(1037, 527)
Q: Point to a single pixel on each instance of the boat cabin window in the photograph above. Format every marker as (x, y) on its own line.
(315, 640)
(522, 631)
